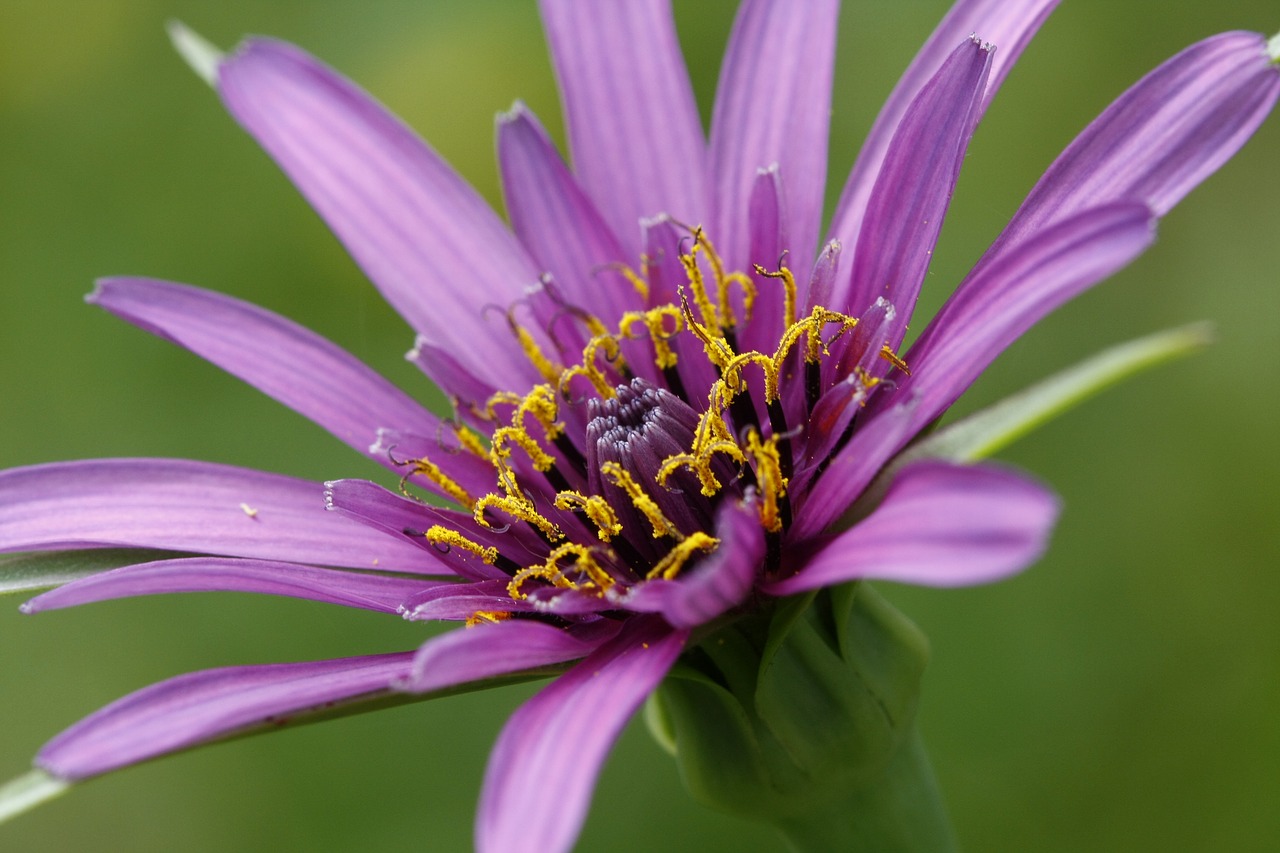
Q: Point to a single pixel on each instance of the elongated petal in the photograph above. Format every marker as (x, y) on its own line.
(459, 602)
(181, 505)
(543, 769)
(719, 583)
(939, 525)
(913, 190)
(1007, 24)
(633, 125)
(407, 521)
(213, 574)
(425, 238)
(213, 704)
(472, 654)
(1161, 138)
(556, 221)
(993, 307)
(772, 107)
(277, 356)
(852, 469)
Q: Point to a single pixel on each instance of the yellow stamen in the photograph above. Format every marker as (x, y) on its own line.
(516, 506)
(890, 356)
(595, 508)
(670, 565)
(769, 478)
(440, 535)
(655, 321)
(789, 292)
(488, 617)
(640, 500)
(723, 280)
(636, 279)
(548, 369)
(605, 345)
(426, 468)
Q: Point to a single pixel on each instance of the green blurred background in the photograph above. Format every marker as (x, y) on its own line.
(1121, 695)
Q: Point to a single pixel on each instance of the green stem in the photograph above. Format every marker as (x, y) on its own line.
(902, 812)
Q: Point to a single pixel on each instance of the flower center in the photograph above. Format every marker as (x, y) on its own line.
(635, 496)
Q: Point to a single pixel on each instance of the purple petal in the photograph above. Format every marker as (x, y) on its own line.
(425, 238)
(474, 474)
(543, 769)
(939, 525)
(556, 221)
(714, 586)
(767, 247)
(213, 704)
(474, 654)
(459, 602)
(773, 104)
(183, 505)
(852, 469)
(382, 593)
(1161, 138)
(633, 125)
(1007, 24)
(1002, 299)
(913, 189)
(406, 520)
(277, 356)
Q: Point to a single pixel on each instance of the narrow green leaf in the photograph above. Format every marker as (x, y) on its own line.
(995, 427)
(27, 792)
(27, 573)
(198, 51)
(998, 426)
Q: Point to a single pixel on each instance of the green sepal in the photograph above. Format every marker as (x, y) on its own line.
(773, 716)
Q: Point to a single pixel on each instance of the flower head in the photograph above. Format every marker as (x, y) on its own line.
(670, 400)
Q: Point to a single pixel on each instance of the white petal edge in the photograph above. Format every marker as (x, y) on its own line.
(197, 51)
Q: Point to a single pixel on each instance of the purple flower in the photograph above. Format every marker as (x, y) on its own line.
(668, 394)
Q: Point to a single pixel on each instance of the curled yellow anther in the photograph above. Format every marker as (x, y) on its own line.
(890, 356)
(670, 565)
(600, 345)
(440, 535)
(640, 500)
(516, 506)
(769, 479)
(789, 291)
(426, 468)
(486, 617)
(595, 508)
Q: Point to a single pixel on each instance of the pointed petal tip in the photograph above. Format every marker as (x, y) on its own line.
(518, 110)
(28, 791)
(198, 51)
